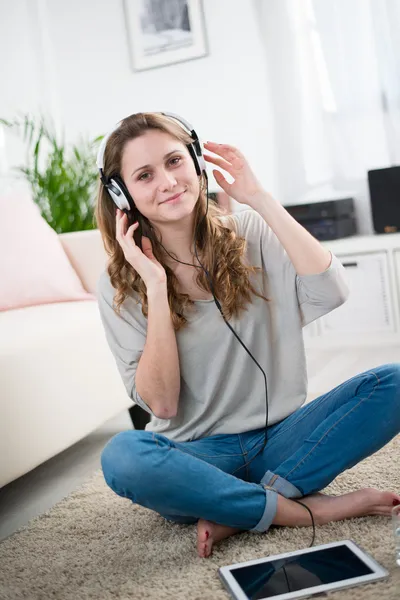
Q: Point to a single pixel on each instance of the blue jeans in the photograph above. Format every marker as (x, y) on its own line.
(211, 478)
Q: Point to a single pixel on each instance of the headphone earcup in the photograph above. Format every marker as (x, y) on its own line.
(119, 194)
(198, 158)
(202, 164)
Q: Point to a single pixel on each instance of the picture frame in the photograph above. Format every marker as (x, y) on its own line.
(164, 32)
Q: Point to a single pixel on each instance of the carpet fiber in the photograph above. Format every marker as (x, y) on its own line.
(96, 545)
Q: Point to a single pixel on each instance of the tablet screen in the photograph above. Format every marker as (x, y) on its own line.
(329, 565)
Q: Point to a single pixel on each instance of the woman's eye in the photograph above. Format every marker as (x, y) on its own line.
(174, 161)
(142, 176)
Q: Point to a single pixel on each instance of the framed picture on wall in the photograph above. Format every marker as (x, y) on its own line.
(164, 32)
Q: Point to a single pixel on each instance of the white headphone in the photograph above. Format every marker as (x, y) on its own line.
(115, 185)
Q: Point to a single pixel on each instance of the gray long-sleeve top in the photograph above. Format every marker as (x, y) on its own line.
(222, 389)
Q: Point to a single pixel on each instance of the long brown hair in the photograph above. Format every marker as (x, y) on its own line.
(221, 249)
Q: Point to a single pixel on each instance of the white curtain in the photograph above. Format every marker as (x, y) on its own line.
(334, 74)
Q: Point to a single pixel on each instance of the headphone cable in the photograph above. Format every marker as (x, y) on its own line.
(243, 345)
(223, 316)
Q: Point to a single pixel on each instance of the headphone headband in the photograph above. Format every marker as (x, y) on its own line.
(102, 148)
(185, 124)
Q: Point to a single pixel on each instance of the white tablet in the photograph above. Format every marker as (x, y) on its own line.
(302, 573)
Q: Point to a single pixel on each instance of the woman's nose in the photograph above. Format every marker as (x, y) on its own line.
(167, 181)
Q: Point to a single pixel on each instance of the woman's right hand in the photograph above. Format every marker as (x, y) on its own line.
(144, 262)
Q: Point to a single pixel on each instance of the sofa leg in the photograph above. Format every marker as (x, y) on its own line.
(139, 417)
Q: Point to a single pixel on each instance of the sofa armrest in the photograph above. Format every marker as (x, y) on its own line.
(87, 255)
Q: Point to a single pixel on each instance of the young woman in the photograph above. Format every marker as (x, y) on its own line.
(177, 275)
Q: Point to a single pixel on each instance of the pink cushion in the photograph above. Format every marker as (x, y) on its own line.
(34, 268)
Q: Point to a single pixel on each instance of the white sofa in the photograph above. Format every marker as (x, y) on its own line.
(58, 379)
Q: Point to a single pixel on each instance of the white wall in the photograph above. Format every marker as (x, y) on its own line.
(72, 59)
(20, 75)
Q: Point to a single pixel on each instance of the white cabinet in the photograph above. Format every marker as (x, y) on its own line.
(371, 314)
(369, 308)
(310, 331)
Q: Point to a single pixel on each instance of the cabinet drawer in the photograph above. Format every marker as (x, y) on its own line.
(396, 262)
(369, 308)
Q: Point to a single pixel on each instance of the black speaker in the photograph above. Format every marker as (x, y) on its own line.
(384, 191)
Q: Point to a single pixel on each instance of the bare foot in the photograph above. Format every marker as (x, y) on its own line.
(208, 533)
(325, 509)
(360, 503)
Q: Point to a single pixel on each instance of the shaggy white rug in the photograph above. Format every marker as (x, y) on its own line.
(96, 545)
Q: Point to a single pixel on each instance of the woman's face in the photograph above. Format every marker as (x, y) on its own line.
(161, 177)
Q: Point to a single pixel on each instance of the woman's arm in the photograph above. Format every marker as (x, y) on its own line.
(158, 374)
(149, 342)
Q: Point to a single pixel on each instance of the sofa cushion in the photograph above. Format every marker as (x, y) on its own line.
(34, 268)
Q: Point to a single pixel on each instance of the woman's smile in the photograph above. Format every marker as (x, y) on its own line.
(174, 199)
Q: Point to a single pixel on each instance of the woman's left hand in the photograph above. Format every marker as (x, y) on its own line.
(245, 188)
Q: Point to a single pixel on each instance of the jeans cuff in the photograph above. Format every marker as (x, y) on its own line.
(279, 484)
(271, 501)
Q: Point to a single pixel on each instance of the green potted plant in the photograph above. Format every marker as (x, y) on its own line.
(63, 180)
